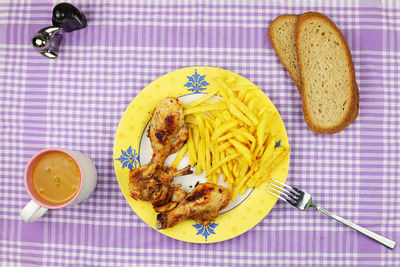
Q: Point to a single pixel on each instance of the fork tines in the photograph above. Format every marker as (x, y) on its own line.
(283, 191)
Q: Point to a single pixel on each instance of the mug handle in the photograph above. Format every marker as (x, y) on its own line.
(32, 211)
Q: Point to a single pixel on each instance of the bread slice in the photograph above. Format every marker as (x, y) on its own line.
(281, 35)
(328, 85)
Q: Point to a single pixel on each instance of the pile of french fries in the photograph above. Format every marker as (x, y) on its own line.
(229, 135)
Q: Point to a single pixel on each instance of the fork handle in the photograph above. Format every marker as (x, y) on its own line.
(383, 240)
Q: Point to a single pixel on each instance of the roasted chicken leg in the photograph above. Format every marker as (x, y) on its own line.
(202, 204)
(167, 131)
(153, 181)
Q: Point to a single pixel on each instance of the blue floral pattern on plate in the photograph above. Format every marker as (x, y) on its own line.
(129, 158)
(196, 83)
(205, 230)
(277, 144)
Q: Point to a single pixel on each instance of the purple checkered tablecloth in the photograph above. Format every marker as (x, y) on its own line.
(77, 100)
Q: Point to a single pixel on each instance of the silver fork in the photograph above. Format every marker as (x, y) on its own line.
(303, 201)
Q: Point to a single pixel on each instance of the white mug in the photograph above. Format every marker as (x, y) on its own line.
(37, 207)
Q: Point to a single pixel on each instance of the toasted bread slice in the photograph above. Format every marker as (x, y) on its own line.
(281, 35)
(328, 85)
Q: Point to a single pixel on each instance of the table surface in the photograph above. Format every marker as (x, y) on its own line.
(77, 100)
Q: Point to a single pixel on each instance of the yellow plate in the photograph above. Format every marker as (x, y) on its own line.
(132, 148)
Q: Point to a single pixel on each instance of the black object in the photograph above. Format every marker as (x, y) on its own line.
(68, 17)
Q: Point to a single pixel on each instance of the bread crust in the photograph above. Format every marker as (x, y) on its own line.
(352, 112)
(274, 45)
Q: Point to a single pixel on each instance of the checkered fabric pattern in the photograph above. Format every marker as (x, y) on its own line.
(76, 101)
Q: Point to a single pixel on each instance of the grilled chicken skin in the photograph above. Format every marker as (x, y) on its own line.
(168, 131)
(202, 204)
(153, 181)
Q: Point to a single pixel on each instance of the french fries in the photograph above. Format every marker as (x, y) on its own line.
(180, 155)
(232, 137)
